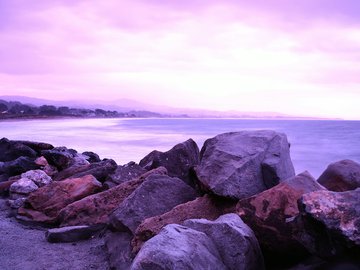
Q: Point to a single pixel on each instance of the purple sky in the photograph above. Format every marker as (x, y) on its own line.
(295, 57)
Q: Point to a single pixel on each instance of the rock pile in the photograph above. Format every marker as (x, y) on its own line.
(236, 204)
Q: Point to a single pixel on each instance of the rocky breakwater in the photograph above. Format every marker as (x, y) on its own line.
(236, 204)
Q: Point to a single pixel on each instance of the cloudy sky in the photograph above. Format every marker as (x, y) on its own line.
(296, 57)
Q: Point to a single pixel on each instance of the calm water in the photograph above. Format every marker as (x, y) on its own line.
(314, 144)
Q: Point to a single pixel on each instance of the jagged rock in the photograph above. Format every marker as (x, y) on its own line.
(124, 173)
(92, 157)
(203, 207)
(95, 209)
(178, 247)
(241, 164)
(39, 177)
(178, 160)
(50, 199)
(119, 249)
(60, 157)
(235, 241)
(270, 214)
(332, 223)
(157, 195)
(72, 233)
(23, 186)
(99, 170)
(10, 150)
(18, 166)
(343, 175)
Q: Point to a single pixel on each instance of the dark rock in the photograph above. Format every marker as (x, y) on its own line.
(5, 186)
(157, 195)
(15, 204)
(270, 214)
(72, 233)
(60, 157)
(119, 250)
(178, 247)
(50, 199)
(332, 223)
(343, 175)
(10, 150)
(100, 170)
(95, 209)
(37, 146)
(92, 157)
(238, 165)
(208, 207)
(18, 166)
(45, 166)
(235, 241)
(124, 173)
(177, 160)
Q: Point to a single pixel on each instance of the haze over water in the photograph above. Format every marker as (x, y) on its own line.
(314, 144)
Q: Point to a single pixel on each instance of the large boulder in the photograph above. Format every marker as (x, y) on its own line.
(96, 208)
(37, 146)
(157, 195)
(235, 241)
(332, 223)
(60, 157)
(178, 160)
(343, 175)
(18, 166)
(23, 186)
(238, 165)
(271, 212)
(124, 173)
(178, 247)
(39, 177)
(10, 150)
(208, 207)
(50, 199)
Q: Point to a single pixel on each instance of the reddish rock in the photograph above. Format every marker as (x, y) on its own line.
(340, 176)
(270, 215)
(96, 208)
(50, 199)
(203, 207)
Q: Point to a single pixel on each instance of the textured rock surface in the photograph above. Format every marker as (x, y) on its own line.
(341, 176)
(240, 164)
(60, 157)
(119, 249)
(178, 247)
(18, 166)
(203, 207)
(157, 195)
(271, 212)
(96, 208)
(177, 160)
(23, 186)
(72, 233)
(235, 241)
(124, 173)
(332, 223)
(50, 199)
(10, 150)
(39, 177)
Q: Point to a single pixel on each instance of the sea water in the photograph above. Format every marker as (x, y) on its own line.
(314, 144)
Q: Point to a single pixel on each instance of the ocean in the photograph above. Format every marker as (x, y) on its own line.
(314, 144)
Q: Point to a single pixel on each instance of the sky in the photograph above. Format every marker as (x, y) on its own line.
(294, 57)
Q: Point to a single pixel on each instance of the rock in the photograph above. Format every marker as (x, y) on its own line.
(178, 247)
(238, 165)
(18, 166)
(5, 186)
(119, 250)
(235, 241)
(79, 160)
(157, 195)
(10, 150)
(340, 176)
(95, 209)
(39, 177)
(99, 170)
(23, 186)
(177, 160)
(15, 204)
(124, 173)
(45, 166)
(208, 207)
(92, 157)
(50, 199)
(36, 146)
(72, 233)
(270, 214)
(60, 157)
(332, 223)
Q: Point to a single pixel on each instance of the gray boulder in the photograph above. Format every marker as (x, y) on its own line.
(23, 186)
(124, 173)
(343, 175)
(178, 160)
(157, 195)
(39, 177)
(240, 164)
(178, 247)
(235, 241)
